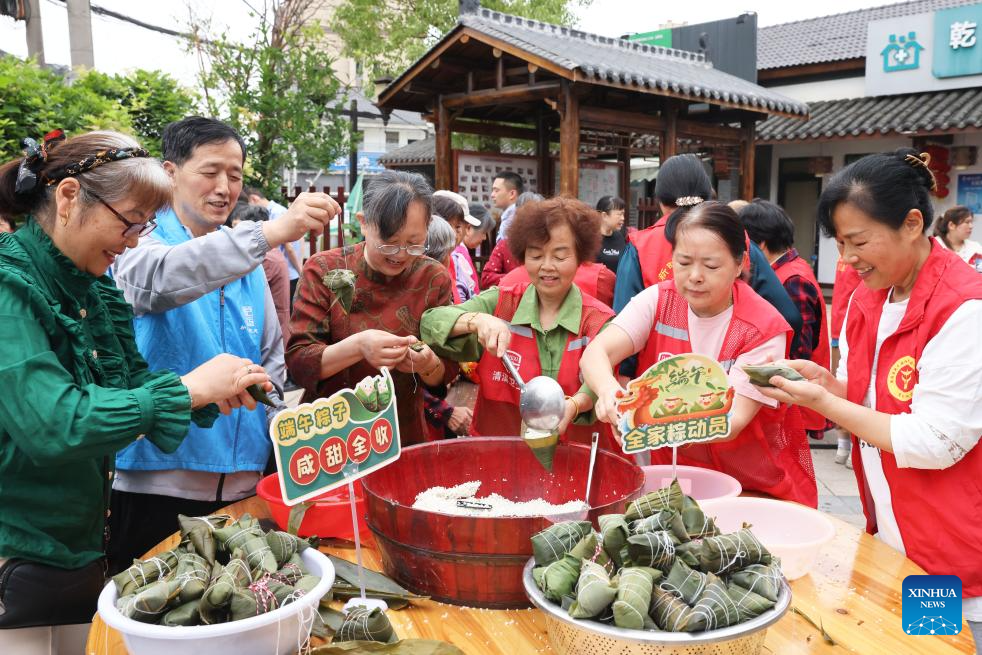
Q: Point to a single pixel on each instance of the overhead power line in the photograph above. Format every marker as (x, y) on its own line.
(102, 11)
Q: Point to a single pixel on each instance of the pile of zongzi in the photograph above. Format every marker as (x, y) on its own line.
(662, 565)
(221, 571)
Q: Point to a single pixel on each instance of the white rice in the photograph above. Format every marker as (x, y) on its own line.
(443, 500)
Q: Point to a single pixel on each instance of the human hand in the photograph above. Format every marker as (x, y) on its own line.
(804, 393)
(605, 406)
(460, 420)
(310, 212)
(223, 380)
(492, 333)
(380, 348)
(419, 358)
(570, 410)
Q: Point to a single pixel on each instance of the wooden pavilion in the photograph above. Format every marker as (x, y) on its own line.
(600, 98)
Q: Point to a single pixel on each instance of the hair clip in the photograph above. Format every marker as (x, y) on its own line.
(688, 201)
(923, 161)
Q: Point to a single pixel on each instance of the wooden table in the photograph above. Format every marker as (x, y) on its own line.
(854, 591)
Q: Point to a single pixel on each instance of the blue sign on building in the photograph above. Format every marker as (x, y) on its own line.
(902, 53)
(958, 42)
(367, 163)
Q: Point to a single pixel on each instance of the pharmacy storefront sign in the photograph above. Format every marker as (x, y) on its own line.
(925, 52)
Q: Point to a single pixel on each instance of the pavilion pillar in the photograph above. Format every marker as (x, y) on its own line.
(624, 159)
(543, 156)
(444, 156)
(748, 129)
(569, 141)
(668, 144)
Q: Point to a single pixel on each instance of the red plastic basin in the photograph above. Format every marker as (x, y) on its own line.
(476, 561)
(329, 517)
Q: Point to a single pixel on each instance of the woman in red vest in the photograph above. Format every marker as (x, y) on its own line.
(708, 309)
(592, 278)
(769, 227)
(542, 327)
(909, 377)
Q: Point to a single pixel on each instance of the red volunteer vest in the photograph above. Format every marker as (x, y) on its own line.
(936, 510)
(496, 409)
(846, 281)
(587, 278)
(822, 355)
(771, 454)
(654, 253)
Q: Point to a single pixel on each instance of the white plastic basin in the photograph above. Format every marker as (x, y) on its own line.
(699, 483)
(793, 532)
(276, 632)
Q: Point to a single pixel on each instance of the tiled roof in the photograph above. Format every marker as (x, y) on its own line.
(606, 59)
(879, 116)
(418, 152)
(832, 38)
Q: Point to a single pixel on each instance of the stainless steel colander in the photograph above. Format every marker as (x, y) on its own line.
(570, 636)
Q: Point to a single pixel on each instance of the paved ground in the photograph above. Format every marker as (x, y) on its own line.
(837, 490)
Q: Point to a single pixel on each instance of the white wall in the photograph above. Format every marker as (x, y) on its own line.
(827, 252)
(374, 134)
(851, 87)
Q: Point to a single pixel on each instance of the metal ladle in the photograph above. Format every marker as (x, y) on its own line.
(541, 402)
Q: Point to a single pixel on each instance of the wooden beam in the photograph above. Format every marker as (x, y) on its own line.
(722, 133)
(444, 156)
(669, 139)
(493, 129)
(465, 38)
(508, 95)
(811, 70)
(569, 141)
(624, 159)
(499, 80)
(614, 119)
(470, 81)
(542, 154)
(747, 160)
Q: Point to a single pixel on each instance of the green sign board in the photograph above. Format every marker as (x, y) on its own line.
(323, 445)
(662, 38)
(958, 42)
(680, 400)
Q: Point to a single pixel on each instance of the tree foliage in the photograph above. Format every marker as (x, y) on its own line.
(386, 36)
(277, 89)
(37, 99)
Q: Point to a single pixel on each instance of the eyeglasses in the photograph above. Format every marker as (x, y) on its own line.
(391, 249)
(132, 229)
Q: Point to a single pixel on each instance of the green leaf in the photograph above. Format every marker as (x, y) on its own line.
(296, 517)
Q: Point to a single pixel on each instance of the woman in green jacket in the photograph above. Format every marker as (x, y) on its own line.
(75, 388)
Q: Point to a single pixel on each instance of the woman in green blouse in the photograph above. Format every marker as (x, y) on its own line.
(75, 388)
(543, 326)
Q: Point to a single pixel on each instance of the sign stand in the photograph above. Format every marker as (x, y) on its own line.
(363, 601)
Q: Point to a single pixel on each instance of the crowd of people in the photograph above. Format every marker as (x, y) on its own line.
(139, 300)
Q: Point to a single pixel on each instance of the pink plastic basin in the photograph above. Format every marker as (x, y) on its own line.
(793, 532)
(701, 484)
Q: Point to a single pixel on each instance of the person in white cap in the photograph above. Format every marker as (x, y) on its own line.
(454, 209)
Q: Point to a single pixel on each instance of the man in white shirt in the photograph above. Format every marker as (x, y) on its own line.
(505, 190)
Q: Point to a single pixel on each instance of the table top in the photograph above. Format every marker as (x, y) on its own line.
(853, 592)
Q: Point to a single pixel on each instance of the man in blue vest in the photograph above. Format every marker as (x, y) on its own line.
(198, 289)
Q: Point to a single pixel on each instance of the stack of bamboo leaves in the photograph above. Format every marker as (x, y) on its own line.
(662, 565)
(221, 571)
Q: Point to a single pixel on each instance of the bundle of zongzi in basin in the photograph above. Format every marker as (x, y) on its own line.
(262, 583)
(661, 567)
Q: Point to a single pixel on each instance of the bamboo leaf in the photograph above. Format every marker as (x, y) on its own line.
(296, 517)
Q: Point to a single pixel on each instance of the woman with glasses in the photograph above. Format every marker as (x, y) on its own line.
(334, 343)
(542, 325)
(76, 388)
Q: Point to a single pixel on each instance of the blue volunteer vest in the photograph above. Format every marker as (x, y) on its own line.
(228, 320)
